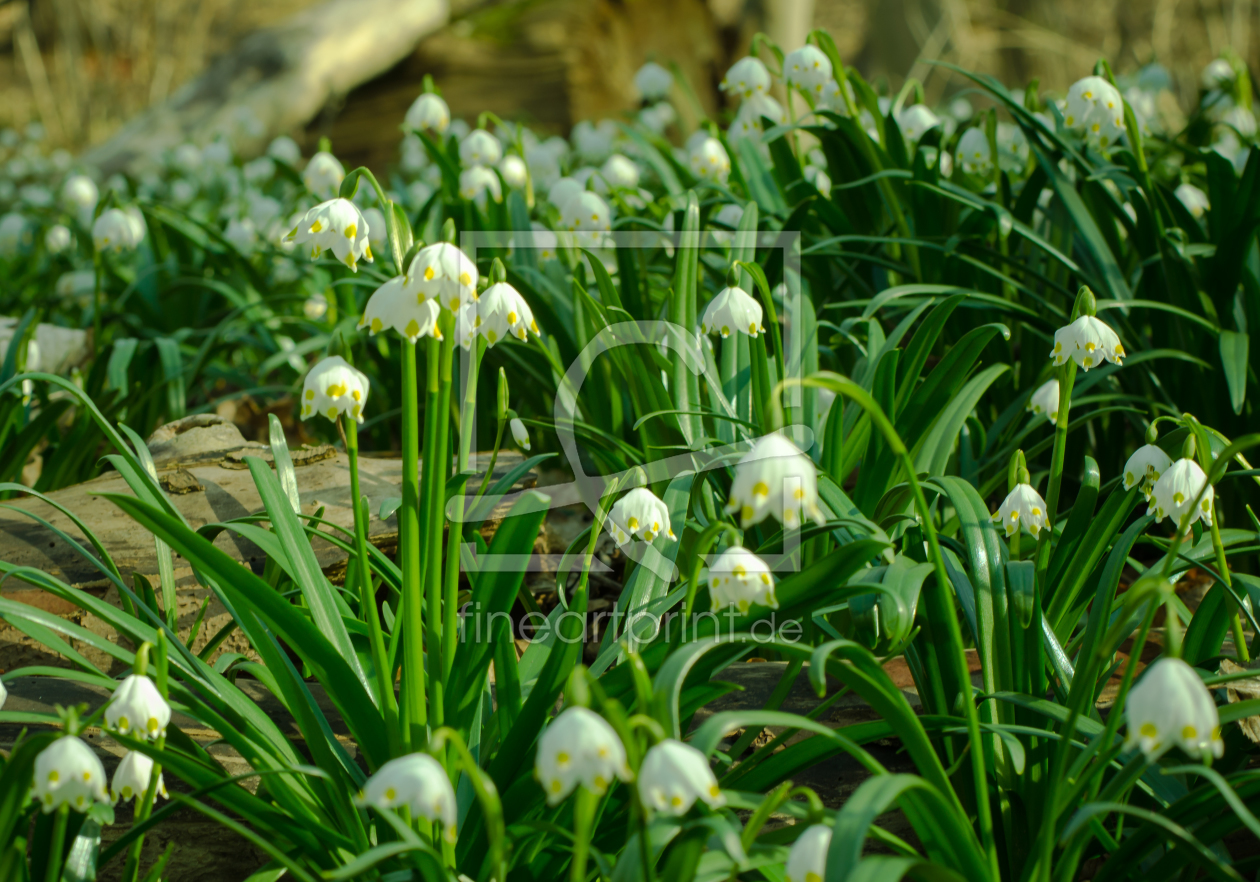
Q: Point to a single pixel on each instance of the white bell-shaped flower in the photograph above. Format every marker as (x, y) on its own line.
(732, 310)
(915, 121)
(79, 195)
(1176, 494)
(1087, 341)
(428, 113)
(775, 478)
(138, 709)
(67, 772)
(514, 170)
(1144, 469)
(334, 387)
(740, 578)
(443, 273)
(1218, 74)
(1022, 508)
(58, 238)
(808, 69)
(653, 82)
(337, 226)
(639, 513)
(315, 307)
(285, 149)
(674, 775)
(563, 190)
(240, 234)
(974, 156)
(807, 860)
(323, 175)
(746, 77)
(748, 122)
(132, 777)
(480, 148)
(658, 117)
(586, 211)
(1194, 199)
(1012, 147)
(1170, 706)
(477, 182)
(392, 306)
(114, 230)
(619, 172)
(1045, 401)
(519, 433)
(418, 782)
(579, 747)
(1095, 107)
(708, 160)
(594, 141)
(501, 311)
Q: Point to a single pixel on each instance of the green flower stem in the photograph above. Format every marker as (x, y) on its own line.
(409, 558)
(99, 273)
(1235, 622)
(450, 594)
(487, 794)
(584, 804)
(1067, 378)
(52, 870)
(367, 592)
(437, 408)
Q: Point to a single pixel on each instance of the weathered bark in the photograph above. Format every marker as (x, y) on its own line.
(278, 79)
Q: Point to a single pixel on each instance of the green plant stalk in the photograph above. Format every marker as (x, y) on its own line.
(450, 593)
(409, 553)
(584, 803)
(435, 468)
(1067, 378)
(429, 637)
(367, 593)
(52, 870)
(486, 793)
(1222, 566)
(99, 274)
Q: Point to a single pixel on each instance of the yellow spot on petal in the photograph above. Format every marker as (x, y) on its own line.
(465, 279)
(376, 325)
(390, 794)
(356, 395)
(412, 329)
(316, 227)
(562, 758)
(310, 394)
(760, 489)
(1189, 733)
(351, 231)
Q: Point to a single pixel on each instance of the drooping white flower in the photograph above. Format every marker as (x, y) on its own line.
(480, 148)
(619, 172)
(674, 775)
(259, 171)
(514, 170)
(830, 97)
(579, 747)
(708, 160)
(1095, 107)
(1022, 508)
(639, 513)
(586, 211)
(519, 433)
(338, 226)
(746, 77)
(132, 777)
(732, 309)
(729, 215)
(67, 772)
(477, 182)
(974, 156)
(658, 117)
(775, 478)
(138, 709)
(1144, 469)
(79, 195)
(594, 141)
(915, 121)
(76, 284)
(563, 190)
(740, 578)
(1194, 199)
(748, 122)
(428, 113)
(418, 782)
(240, 235)
(653, 82)
(820, 179)
(807, 861)
(1218, 74)
(1012, 147)
(1175, 494)
(334, 387)
(808, 69)
(114, 230)
(393, 306)
(1087, 341)
(323, 175)
(501, 311)
(443, 273)
(285, 149)
(1170, 706)
(58, 238)
(315, 307)
(1046, 401)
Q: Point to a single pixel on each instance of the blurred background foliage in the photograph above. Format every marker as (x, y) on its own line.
(94, 64)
